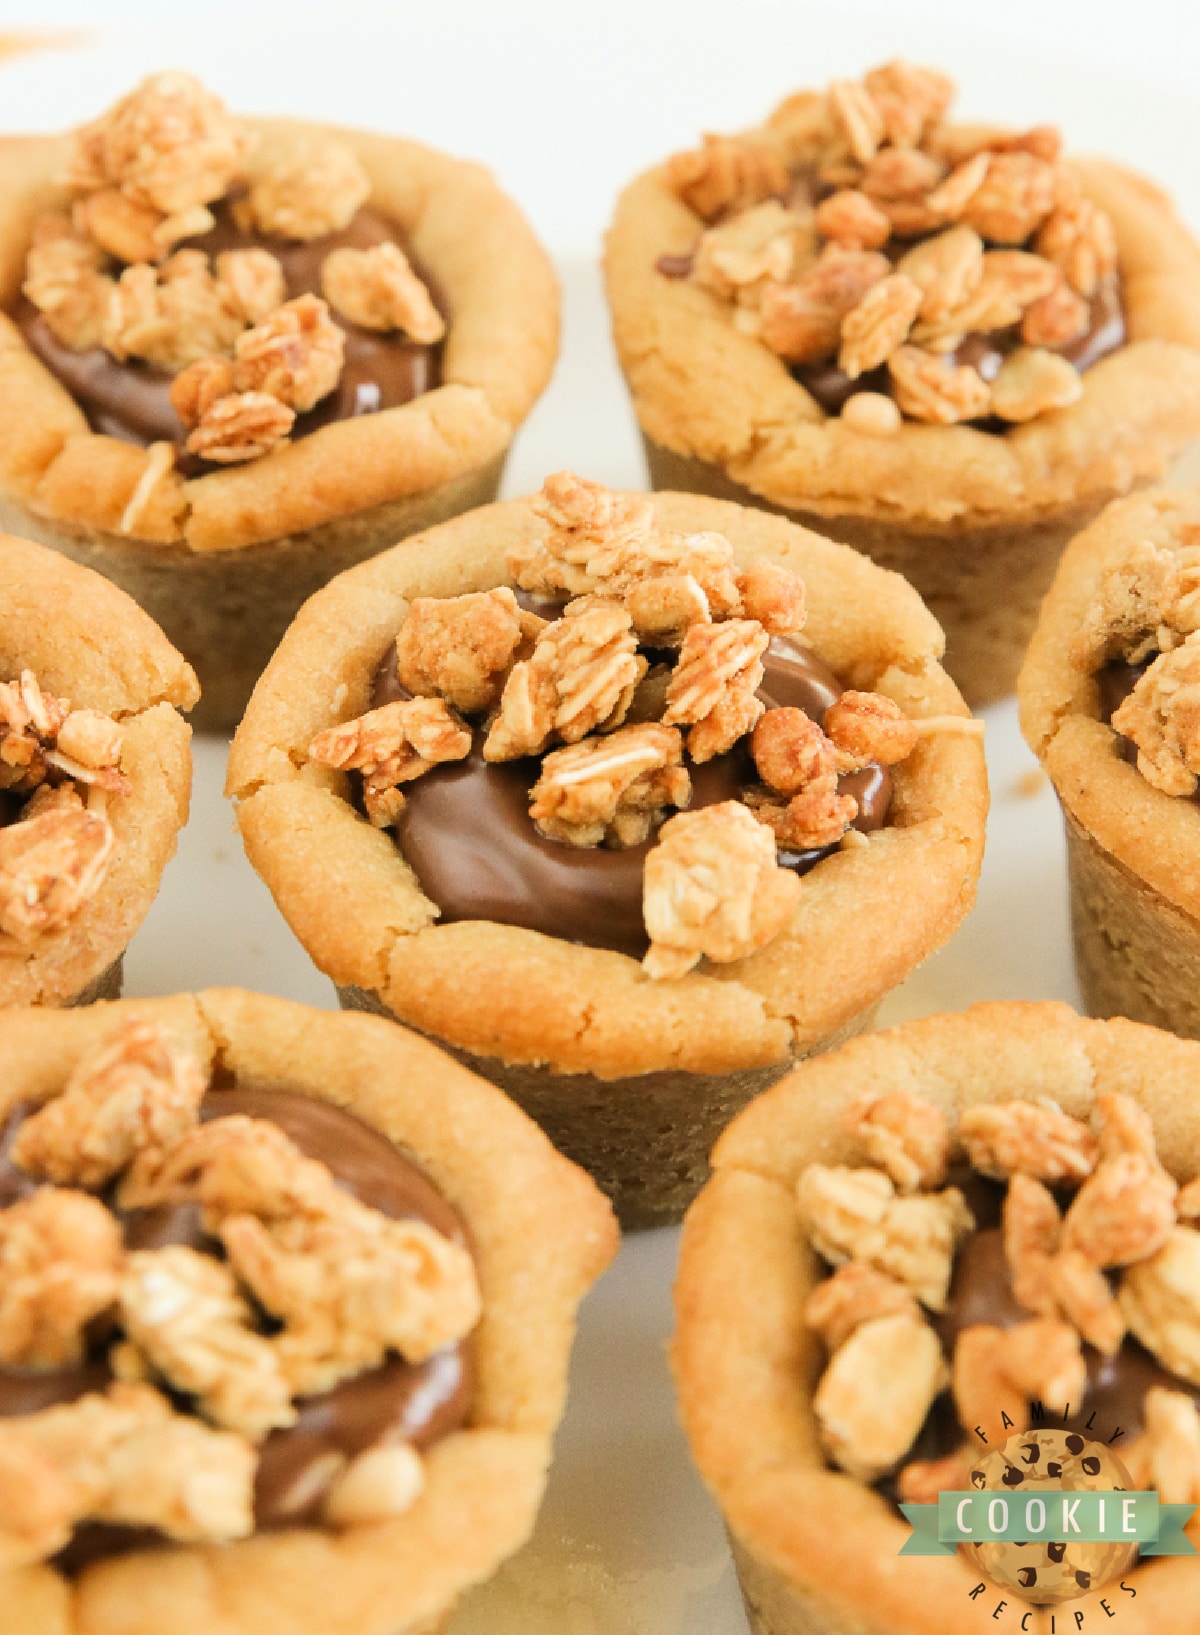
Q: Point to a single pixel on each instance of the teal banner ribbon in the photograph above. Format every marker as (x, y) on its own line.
(985, 1516)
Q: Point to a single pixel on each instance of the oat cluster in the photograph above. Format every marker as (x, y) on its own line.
(62, 765)
(649, 661)
(1122, 1257)
(108, 272)
(314, 1288)
(860, 229)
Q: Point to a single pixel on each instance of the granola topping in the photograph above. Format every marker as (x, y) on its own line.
(989, 239)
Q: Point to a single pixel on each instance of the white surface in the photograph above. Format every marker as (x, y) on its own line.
(566, 103)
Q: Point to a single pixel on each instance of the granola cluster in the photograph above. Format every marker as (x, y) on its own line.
(861, 230)
(1122, 1257)
(650, 658)
(60, 765)
(108, 272)
(1147, 615)
(305, 1287)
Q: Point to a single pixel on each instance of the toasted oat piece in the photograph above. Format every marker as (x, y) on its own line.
(138, 1095)
(304, 185)
(393, 745)
(876, 1392)
(1162, 717)
(462, 648)
(727, 173)
(1029, 1138)
(1002, 1371)
(1123, 1212)
(377, 289)
(1160, 1297)
(51, 865)
(60, 1261)
(714, 684)
(713, 889)
(608, 790)
(906, 1135)
(855, 1294)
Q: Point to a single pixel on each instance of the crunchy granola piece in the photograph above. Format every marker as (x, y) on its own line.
(849, 219)
(462, 647)
(1055, 319)
(1027, 1138)
(66, 281)
(1125, 1127)
(251, 283)
(1187, 1201)
(1002, 1371)
(295, 354)
(856, 118)
(122, 227)
(138, 1094)
(88, 742)
(381, 1483)
(866, 727)
(183, 1311)
(609, 790)
(1010, 281)
(1170, 1447)
(930, 389)
(712, 888)
(579, 679)
(714, 683)
(1160, 1297)
(1031, 381)
(1078, 238)
(855, 1294)
(803, 321)
(582, 516)
(1032, 1234)
(767, 242)
(880, 323)
(899, 181)
(950, 197)
(873, 1397)
(871, 414)
(855, 1214)
(792, 753)
(814, 818)
(377, 289)
(923, 1480)
(40, 1503)
(910, 100)
(169, 315)
(1087, 1301)
(30, 721)
(1014, 198)
(1123, 1212)
(128, 1458)
(169, 144)
(1162, 717)
(728, 173)
(50, 867)
(231, 1166)
(946, 268)
(241, 426)
(905, 1134)
(304, 185)
(197, 388)
(60, 1259)
(395, 743)
(1143, 603)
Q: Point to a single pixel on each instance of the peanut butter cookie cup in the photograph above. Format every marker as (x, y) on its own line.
(1110, 694)
(286, 1307)
(95, 774)
(962, 1230)
(237, 356)
(544, 781)
(941, 343)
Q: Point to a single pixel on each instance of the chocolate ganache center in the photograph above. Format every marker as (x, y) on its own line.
(131, 400)
(467, 834)
(398, 1401)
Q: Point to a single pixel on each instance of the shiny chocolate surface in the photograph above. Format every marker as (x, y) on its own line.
(467, 833)
(131, 400)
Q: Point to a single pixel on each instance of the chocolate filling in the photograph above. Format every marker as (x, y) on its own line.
(397, 1401)
(131, 400)
(1115, 682)
(468, 836)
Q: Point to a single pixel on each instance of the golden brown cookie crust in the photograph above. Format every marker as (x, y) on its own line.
(703, 390)
(741, 1346)
(507, 992)
(541, 1234)
(87, 641)
(498, 357)
(1156, 836)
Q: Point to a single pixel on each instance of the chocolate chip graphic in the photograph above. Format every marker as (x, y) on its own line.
(1027, 1577)
(1056, 1551)
(978, 1479)
(1092, 1465)
(1013, 1477)
(1075, 1444)
(1084, 1580)
(1054, 1468)
(1031, 1453)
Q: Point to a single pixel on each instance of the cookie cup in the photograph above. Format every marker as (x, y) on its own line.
(975, 521)
(1133, 852)
(817, 1552)
(540, 1235)
(87, 641)
(223, 561)
(633, 1079)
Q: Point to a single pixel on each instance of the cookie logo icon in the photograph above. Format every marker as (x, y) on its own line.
(1033, 1471)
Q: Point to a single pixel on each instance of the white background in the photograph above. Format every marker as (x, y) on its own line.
(566, 102)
